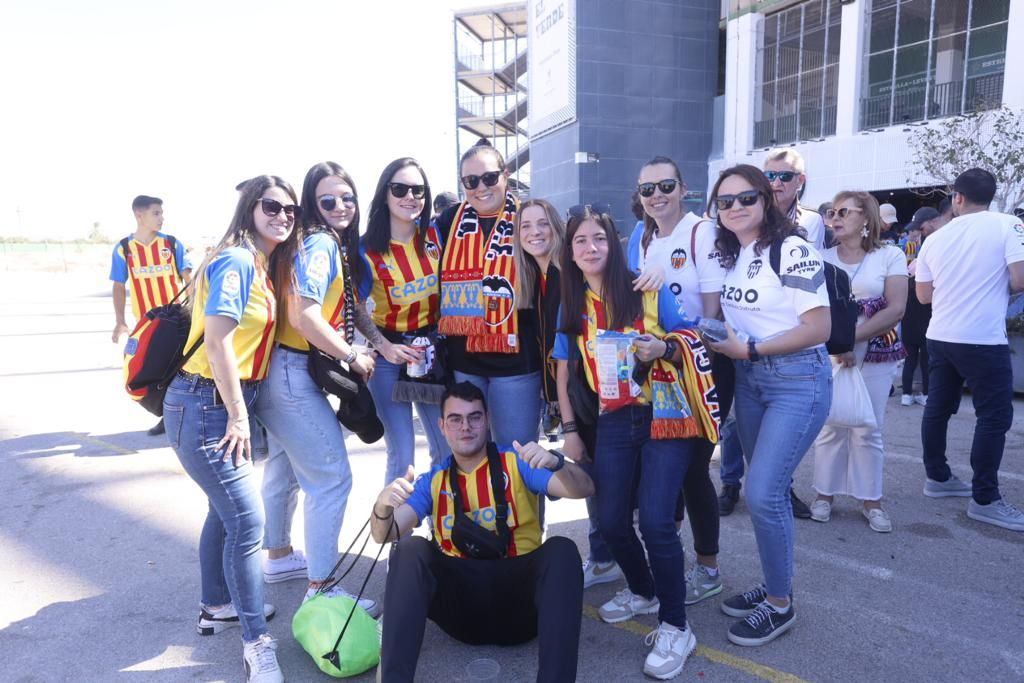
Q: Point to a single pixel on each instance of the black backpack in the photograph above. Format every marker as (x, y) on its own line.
(842, 305)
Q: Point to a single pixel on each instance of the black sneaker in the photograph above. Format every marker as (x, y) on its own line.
(800, 509)
(763, 625)
(742, 605)
(157, 429)
(727, 499)
(226, 617)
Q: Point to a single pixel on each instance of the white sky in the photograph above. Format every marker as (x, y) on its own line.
(107, 99)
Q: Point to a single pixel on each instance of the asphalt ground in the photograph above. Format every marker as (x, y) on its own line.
(99, 529)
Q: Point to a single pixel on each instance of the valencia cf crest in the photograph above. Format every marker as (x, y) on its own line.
(495, 286)
(753, 269)
(678, 258)
(433, 253)
(165, 253)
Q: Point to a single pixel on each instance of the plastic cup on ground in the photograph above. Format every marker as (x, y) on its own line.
(483, 670)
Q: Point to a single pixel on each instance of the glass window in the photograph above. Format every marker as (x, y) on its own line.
(915, 16)
(883, 28)
(950, 17)
(985, 12)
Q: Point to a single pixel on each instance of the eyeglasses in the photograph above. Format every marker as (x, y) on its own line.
(724, 202)
(491, 178)
(272, 207)
(399, 190)
(579, 210)
(784, 176)
(455, 421)
(841, 213)
(667, 186)
(329, 202)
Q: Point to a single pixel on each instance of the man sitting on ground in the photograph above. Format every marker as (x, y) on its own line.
(486, 578)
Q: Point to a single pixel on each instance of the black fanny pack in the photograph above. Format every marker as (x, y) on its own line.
(470, 538)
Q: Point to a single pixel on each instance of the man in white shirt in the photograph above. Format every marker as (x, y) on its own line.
(967, 271)
(785, 170)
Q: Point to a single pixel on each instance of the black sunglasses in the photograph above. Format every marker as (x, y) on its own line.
(491, 178)
(329, 202)
(272, 207)
(666, 186)
(784, 176)
(399, 190)
(724, 202)
(580, 209)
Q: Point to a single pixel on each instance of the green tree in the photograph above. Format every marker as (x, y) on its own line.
(992, 140)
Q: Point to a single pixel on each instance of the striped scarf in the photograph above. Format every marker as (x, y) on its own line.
(886, 347)
(685, 398)
(478, 282)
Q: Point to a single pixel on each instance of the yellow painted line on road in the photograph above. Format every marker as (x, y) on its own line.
(106, 444)
(718, 656)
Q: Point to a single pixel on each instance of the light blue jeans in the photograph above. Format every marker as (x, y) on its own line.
(513, 405)
(306, 447)
(399, 436)
(781, 404)
(229, 545)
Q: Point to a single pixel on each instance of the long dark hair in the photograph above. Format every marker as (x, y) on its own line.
(621, 303)
(241, 233)
(650, 225)
(378, 226)
(776, 225)
(313, 221)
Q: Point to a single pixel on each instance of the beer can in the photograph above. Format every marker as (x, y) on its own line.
(421, 367)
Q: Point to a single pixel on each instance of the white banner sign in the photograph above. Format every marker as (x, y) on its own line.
(552, 55)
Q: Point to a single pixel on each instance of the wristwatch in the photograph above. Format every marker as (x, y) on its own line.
(752, 350)
(561, 461)
(670, 349)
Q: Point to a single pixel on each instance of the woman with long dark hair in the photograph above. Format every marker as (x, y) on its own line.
(675, 247)
(400, 255)
(777, 324)
(307, 445)
(642, 458)
(209, 408)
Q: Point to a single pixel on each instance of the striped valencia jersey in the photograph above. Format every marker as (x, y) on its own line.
(318, 276)
(404, 283)
(661, 314)
(523, 487)
(152, 270)
(233, 287)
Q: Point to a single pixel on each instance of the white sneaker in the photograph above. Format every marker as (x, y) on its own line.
(291, 566)
(671, 648)
(211, 621)
(625, 605)
(906, 400)
(600, 572)
(878, 519)
(921, 399)
(372, 607)
(821, 510)
(260, 661)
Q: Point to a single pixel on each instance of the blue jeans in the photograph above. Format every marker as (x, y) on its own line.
(988, 374)
(781, 404)
(306, 446)
(399, 437)
(513, 405)
(731, 455)
(229, 545)
(631, 467)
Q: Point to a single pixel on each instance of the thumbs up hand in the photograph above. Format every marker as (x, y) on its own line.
(535, 456)
(396, 493)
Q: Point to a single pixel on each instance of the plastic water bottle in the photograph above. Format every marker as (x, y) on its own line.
(715, 331)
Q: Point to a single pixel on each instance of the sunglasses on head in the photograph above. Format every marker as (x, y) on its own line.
(666, 186)
(272, 207)
(491, 178)
(580, 209)
(784, 176)
(399, 190)
(330, 202)
(724, 202)
(841, 213)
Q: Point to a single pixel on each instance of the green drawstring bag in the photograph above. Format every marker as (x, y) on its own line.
(341, 637)
(317, 625)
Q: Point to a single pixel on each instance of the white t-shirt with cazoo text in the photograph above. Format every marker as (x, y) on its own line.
(966, 263)
(763, 305)
(687, 275)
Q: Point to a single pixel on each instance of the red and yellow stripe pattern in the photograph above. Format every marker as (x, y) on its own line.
(152, 274)
(406, 283)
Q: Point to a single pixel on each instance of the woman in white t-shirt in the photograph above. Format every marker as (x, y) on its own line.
(848, 461)
(675, 248)
(777, 324)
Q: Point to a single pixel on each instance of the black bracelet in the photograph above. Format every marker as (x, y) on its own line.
(386, 517)
(569, 427)
(670, 349)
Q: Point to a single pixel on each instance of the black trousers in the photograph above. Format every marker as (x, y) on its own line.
(495, 602)
(915, 353)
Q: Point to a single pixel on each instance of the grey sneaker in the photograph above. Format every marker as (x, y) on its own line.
(626, 605)
(951, 488)
(671, 647)
(998, 512)
(595, 573)
(700, 585)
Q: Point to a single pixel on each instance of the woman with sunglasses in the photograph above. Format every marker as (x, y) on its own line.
(777, 325)
(209, 407)
(400, 262)
(849, 461)
(307, 446)
(633, 467)
(676, 248)
(489, 337)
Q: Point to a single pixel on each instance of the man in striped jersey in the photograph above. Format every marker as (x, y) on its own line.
(503, 593)
(152, 263)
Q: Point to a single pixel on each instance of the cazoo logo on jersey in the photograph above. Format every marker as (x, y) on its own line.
(739, 295)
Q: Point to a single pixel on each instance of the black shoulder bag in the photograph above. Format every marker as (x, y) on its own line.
(469, 537)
